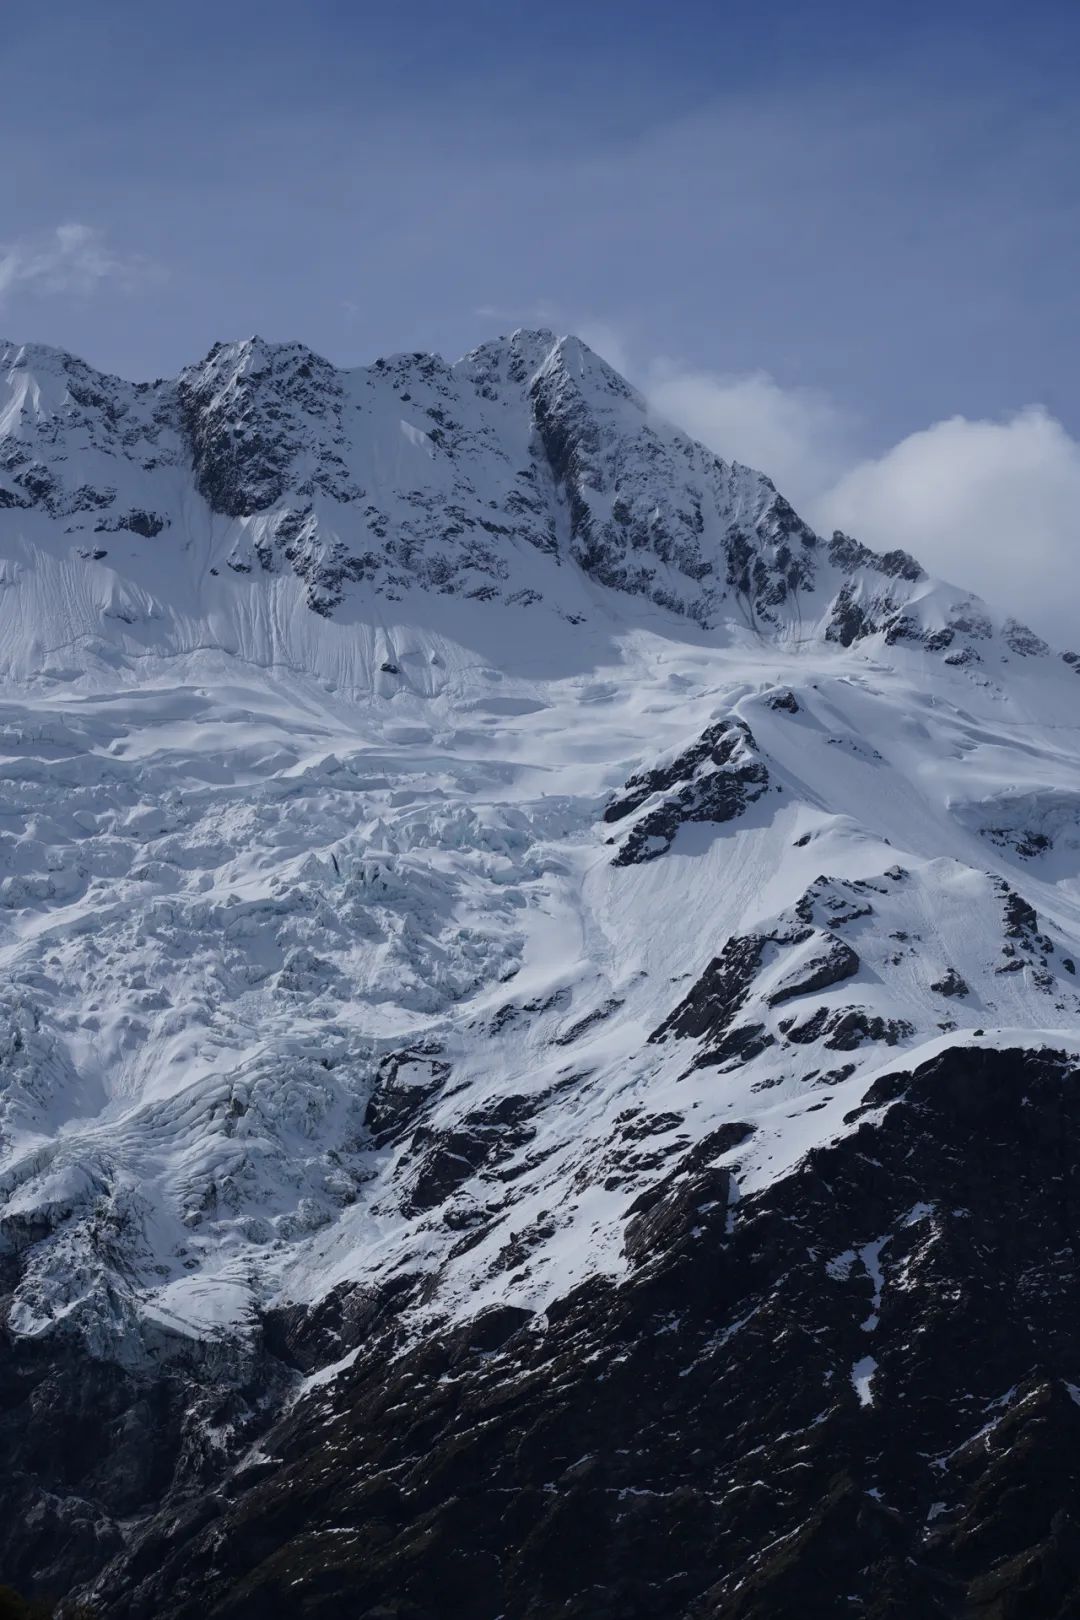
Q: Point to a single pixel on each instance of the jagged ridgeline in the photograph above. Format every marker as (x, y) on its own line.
(538, 1019)
(473, 480)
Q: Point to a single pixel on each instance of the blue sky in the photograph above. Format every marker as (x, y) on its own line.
(871, 208)
(829, 192)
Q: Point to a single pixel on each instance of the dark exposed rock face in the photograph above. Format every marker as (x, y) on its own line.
(635, 542)
(449, 1158)
(849, 620)
(712, 781)
(906, 628)
(850, 555)
(873, 596)
(88, 1443)
(1024, 641)
(775, 1416)
(832, 964)
(855, 612)
(844, 1029)
(784, 702)
(951, 983)
(404, 1082)
(709, 1008)
(1026, 946)
(665, 1218)
(146, 524)
(728, 989)
(243, 439)
(1023, 840)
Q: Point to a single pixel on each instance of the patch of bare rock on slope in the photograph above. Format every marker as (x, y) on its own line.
(849, 1450)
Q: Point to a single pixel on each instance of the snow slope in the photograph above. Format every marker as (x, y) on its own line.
(432, 798)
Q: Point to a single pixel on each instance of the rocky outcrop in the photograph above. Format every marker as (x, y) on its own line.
(90, 1444)
(714, 780)
(951, 983)
(831, 963)
(447, 1159)
(249, 412)
(707, 1011)
(845, 1029)
(405, 1081)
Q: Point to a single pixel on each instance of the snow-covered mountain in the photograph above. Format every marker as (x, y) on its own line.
(491, 903)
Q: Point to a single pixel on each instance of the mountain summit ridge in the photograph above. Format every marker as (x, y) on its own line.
(476, 480)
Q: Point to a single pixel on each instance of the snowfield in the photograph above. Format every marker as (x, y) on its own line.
(320, 961)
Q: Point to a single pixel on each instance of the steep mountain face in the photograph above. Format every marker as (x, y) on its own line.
(481, 481)
(538, 1020)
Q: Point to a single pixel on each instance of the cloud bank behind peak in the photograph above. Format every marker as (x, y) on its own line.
(992, 504)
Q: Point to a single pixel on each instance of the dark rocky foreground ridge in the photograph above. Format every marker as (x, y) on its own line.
(853, 1393)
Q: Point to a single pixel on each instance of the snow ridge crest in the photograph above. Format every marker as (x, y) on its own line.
(479, 480)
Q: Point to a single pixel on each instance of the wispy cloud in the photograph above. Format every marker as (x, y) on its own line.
(72, 258)
(991, 505)
(798, 436)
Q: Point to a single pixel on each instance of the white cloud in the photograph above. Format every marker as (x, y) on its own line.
(795, 435)
(72, 258)
(993, 506)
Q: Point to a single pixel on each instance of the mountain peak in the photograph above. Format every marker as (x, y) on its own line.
(529, 472)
